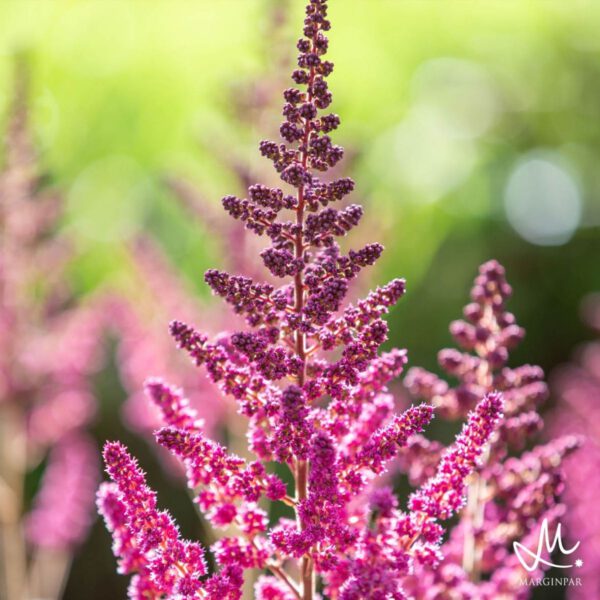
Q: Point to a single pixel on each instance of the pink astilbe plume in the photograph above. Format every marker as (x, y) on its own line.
(305, 369)
(49, 349)
(61, 513)
(509, 494)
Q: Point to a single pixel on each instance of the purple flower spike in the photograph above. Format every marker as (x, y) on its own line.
(501, 497)
(444, 495)
(174, 407)
(307, 373)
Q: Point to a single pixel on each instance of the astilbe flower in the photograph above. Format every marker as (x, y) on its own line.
(307, 374)
(577, 386)
(509, 495)
(147, 541)
(49, 348)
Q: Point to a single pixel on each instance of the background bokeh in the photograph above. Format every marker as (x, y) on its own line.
(474, 130)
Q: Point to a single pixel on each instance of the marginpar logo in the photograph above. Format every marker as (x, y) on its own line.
(531, 560)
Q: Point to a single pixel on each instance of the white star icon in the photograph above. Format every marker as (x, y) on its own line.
(579, 563)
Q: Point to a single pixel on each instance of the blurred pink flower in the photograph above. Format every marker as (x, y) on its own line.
(577, 386)
(49, 348)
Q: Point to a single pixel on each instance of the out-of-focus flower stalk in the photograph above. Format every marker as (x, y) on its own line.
(48, 350)
(577, 386)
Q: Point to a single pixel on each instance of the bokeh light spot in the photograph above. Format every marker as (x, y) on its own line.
(107, 200)
(542, 200)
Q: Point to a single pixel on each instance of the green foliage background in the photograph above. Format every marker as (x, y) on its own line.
(439, 101)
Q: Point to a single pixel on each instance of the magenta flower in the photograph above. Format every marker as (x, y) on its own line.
(508, 496)
(443, 495)
(146, 539)
(306, 372)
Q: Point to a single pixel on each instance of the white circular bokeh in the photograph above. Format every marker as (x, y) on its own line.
(542, 199)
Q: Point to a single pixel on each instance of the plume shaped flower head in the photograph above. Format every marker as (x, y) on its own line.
(49, 345)
(510, 495)
(306, 371)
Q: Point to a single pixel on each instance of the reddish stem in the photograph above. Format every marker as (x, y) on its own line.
(302, 467)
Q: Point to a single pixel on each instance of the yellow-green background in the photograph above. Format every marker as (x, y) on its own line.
(125, 91)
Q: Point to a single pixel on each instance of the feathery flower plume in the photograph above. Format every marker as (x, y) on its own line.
(508, 496)
(306, 372)
(48, 351)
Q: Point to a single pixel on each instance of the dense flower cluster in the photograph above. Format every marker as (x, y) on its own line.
(138, 318)
(306, 372)
(578, 387)
(509, 496)
(147, 541)
(48, 351)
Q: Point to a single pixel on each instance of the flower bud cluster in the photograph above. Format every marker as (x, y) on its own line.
(486, 336)
(508, 494)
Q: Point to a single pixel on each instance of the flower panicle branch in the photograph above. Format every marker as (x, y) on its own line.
(147, 541)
